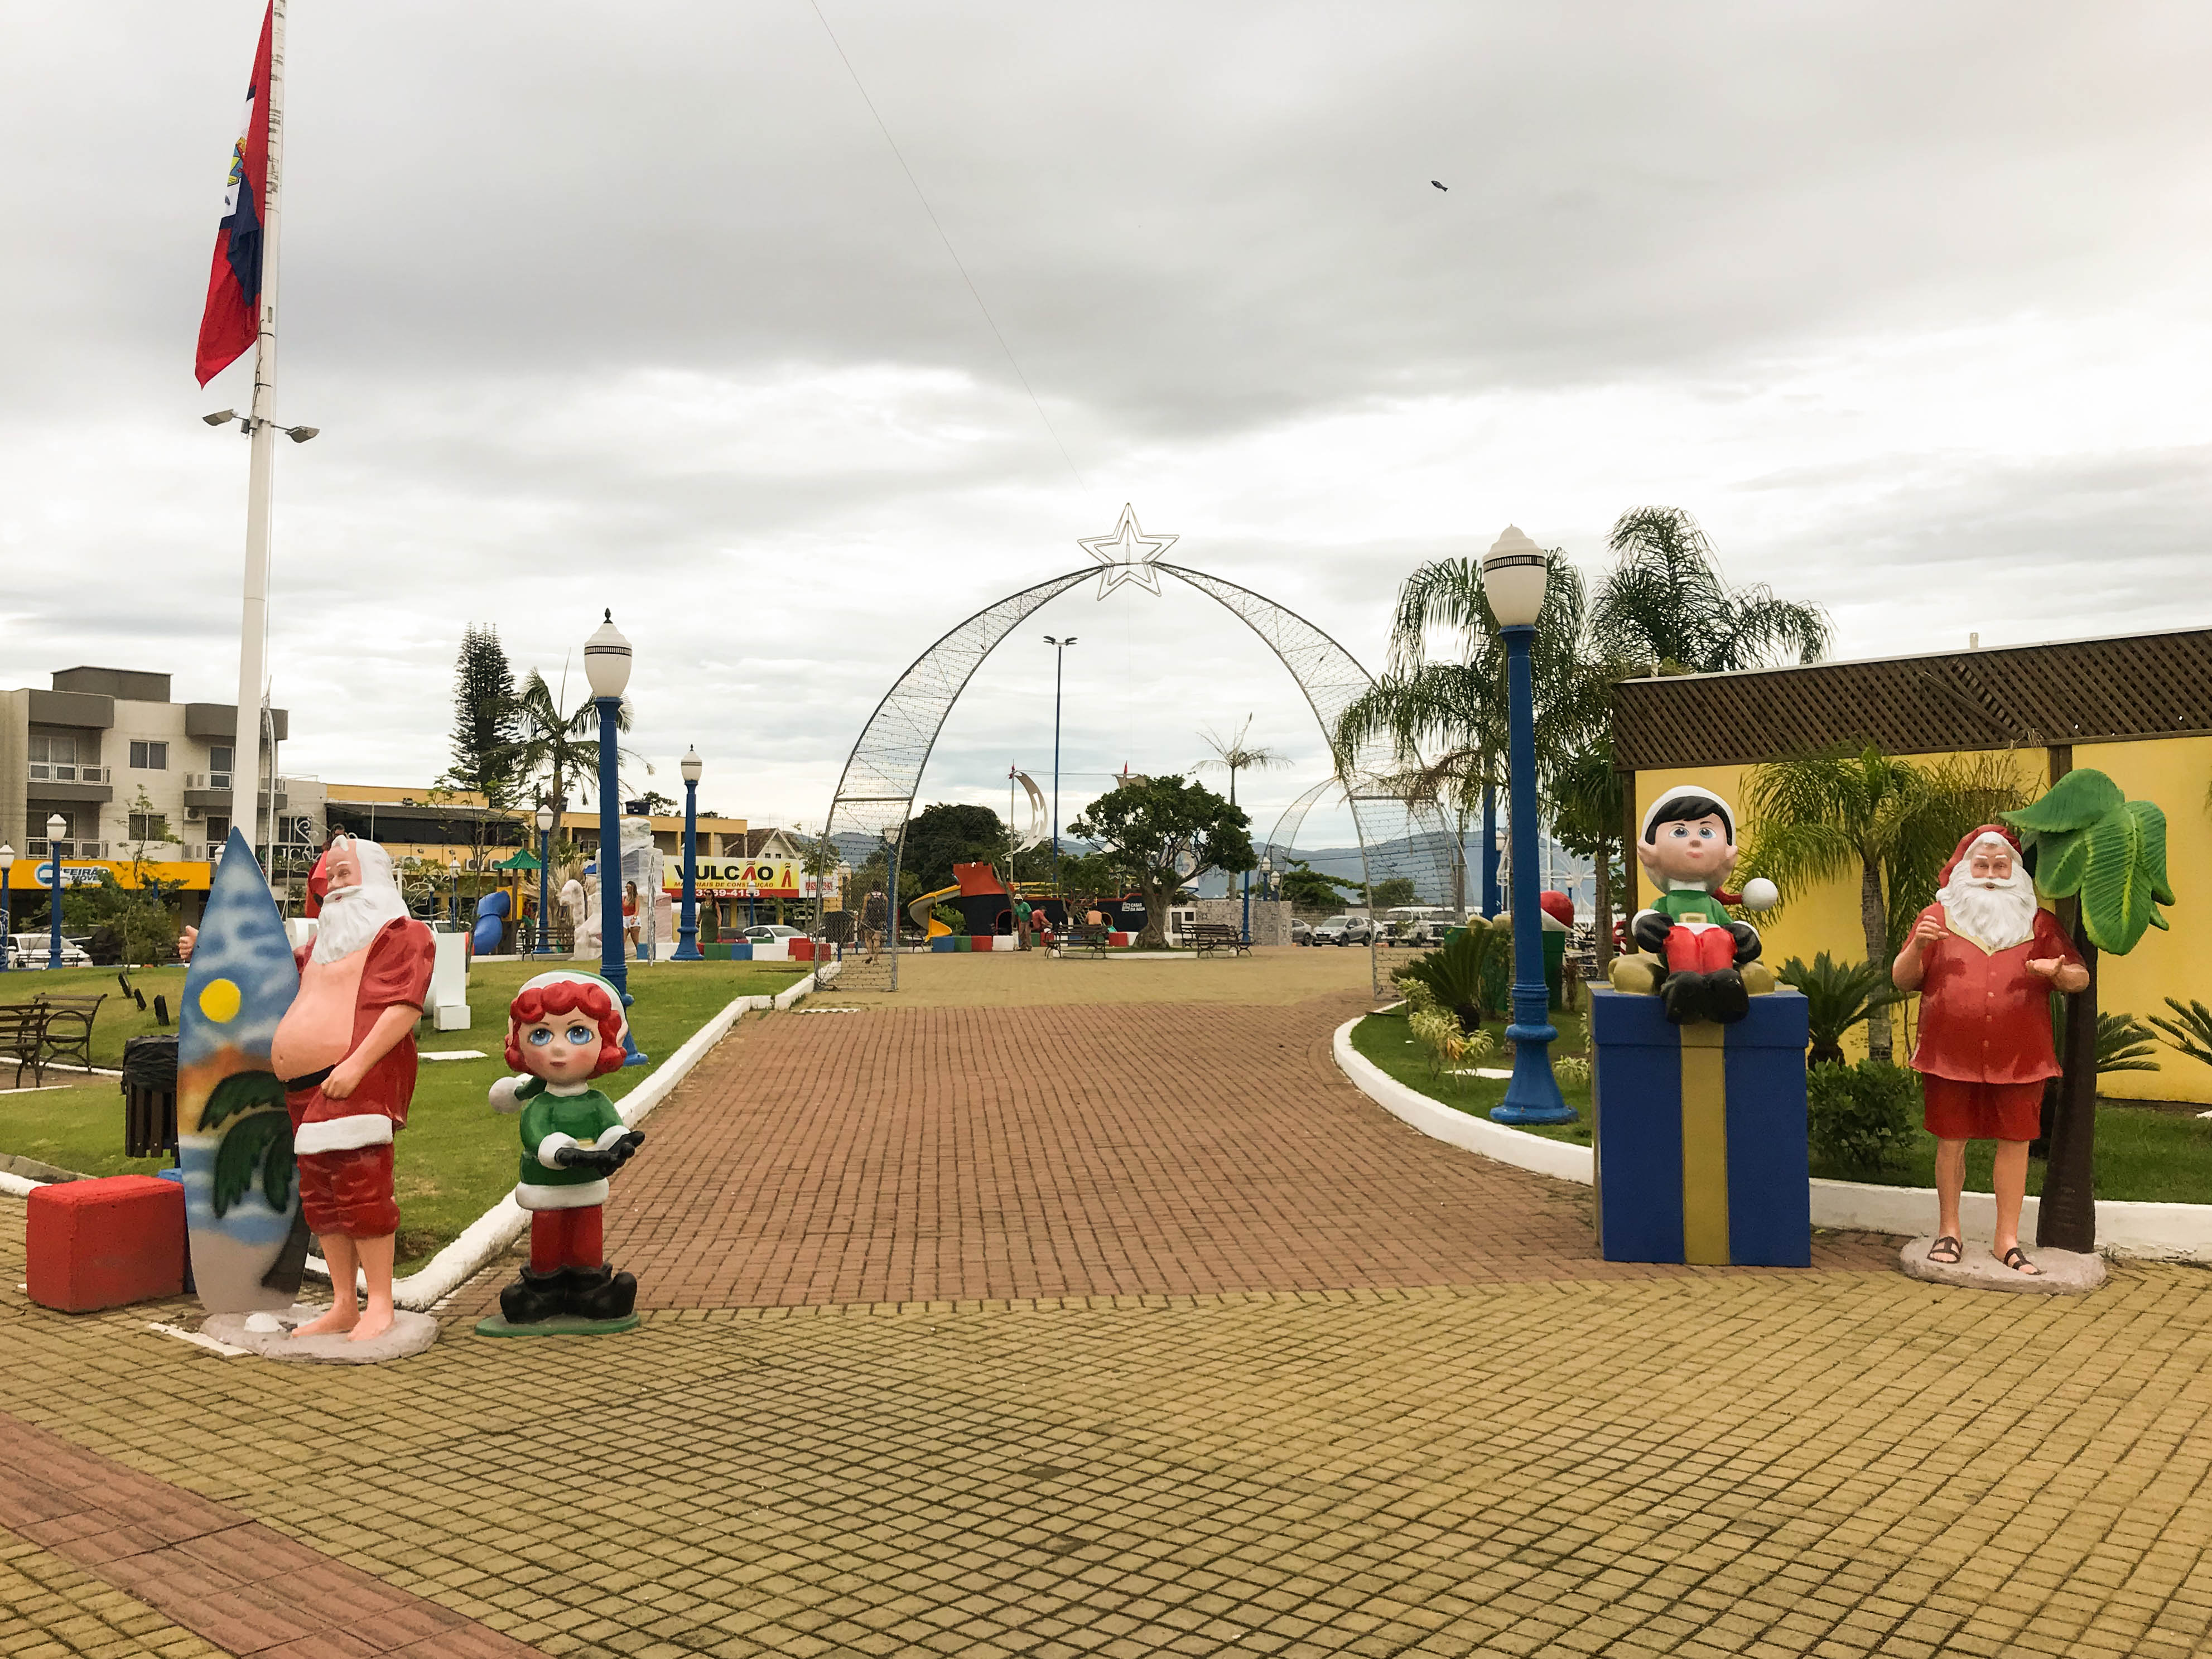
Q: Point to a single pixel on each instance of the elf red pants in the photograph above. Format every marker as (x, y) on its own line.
(1699, 950)
(566, 1238)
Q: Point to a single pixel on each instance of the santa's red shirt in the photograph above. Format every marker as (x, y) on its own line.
(1985, 1016)
(337, 1005)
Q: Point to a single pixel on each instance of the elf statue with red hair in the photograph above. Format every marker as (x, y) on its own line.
(565, 1028)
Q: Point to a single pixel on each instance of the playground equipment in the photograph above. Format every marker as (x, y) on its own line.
(985, 905)
(491, 931)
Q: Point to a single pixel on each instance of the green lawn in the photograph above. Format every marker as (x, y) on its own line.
(457, 1156)
(2148, 1156)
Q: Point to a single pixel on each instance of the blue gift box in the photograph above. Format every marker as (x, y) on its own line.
(1700, 1134)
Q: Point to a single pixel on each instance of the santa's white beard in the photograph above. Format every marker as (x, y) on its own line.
(352, 917)
(1999, 914)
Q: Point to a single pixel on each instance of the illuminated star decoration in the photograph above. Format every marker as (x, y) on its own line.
(1128, 554)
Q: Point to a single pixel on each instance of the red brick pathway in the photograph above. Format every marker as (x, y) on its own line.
(217, 1572)
(928, 1154)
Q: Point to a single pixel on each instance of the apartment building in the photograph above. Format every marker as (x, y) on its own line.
(134, 775)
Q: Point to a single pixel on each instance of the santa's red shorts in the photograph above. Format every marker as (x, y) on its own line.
(1952, 1110)
(349, 1193)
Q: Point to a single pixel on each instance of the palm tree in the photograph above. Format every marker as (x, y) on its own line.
(1891, 822)
(1238, 754)
(555, 745)
(1665, 604)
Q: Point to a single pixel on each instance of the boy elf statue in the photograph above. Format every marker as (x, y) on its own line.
(1687, 847)
(565, 1028)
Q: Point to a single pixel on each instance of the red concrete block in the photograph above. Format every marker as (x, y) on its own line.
(105, 1244)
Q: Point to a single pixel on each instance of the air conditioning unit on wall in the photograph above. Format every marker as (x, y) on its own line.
(195, 814)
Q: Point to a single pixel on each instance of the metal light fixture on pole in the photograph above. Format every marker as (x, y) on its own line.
(687, 930)
(1513, 577)
(546, 816)
(606, 666)
(1058, 660)
(57, 827)
(6, 937)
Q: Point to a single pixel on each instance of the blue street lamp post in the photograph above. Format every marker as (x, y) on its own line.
(1513, 575)
(687, 931)
(7, 938)
(548, 814)
(57, 827)
(1059, 661)
(606, 666)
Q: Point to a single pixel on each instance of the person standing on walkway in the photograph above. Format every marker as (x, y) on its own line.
(1021, 923)
(1986, 958)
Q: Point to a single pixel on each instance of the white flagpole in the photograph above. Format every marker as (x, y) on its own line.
(260, 487)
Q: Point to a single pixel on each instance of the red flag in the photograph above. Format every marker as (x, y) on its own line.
(232, 321)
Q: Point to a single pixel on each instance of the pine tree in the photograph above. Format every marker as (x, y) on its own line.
(484, 717)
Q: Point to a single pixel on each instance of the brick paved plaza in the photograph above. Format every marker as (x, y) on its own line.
(1085, 1308)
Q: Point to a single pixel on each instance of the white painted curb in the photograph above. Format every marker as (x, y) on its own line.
(17, 1186)
(2172, 1232)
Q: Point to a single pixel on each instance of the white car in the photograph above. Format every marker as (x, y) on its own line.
(771, 934)
(30, 950)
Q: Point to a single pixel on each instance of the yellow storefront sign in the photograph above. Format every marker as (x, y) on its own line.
(33, 874)
(745, 878)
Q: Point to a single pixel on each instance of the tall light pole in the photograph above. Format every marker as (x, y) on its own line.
(1513, 577)
(57, 827)
(7, 937)
(606, 666)
(1058, 660)
(687, 931)
(546, 816)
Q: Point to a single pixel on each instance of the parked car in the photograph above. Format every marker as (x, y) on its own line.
(771, 934)
(1344, 930)
(1302, 932)
(30, 950)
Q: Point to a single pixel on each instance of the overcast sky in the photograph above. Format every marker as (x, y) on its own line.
(634, 306)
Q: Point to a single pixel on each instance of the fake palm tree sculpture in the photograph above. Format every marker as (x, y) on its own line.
(2103, 857)
(1889, 821)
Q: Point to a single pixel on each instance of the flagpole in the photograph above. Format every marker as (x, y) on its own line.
(260, 485)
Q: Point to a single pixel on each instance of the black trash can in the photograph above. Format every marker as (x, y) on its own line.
(149, 1096)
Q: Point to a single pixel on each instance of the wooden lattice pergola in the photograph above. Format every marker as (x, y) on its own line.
(2044, 696)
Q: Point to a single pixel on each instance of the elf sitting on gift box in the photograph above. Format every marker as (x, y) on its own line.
(1687, 847)
(565, 1028)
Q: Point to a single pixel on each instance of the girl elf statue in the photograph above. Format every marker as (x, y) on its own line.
(565, 1028)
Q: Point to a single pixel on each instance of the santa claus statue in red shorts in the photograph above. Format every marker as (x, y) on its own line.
(345, 1049)
(1986, 958)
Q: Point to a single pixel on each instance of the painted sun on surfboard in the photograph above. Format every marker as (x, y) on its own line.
(234, 1136)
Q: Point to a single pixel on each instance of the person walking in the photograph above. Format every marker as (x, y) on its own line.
(631, 928)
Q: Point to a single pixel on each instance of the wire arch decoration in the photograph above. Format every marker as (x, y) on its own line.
(875, 797)
(1283, 839)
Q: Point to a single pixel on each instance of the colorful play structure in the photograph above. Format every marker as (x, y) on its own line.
(987, 910)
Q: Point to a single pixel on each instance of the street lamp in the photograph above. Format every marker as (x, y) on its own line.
(57, 827)
(606, 666)
(1513, 577)
(7, 937)
(687, 931)
(546, 817)
(1058, 658)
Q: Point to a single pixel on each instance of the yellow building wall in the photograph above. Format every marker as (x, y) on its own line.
(2174, 772)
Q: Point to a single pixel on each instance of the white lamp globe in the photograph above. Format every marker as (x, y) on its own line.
(606, 660)
(546, 819)
(691, 766)
(1513, 572)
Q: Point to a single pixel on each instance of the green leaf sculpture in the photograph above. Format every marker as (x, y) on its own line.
(2092, 843)
(258, 1142)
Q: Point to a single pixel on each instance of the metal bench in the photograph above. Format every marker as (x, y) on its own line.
(22, 1036)
(1206, 936)
(1090, 939)
(67, 1033)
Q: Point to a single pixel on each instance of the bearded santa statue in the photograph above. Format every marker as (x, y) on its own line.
(345, 1049)
(1986, 958)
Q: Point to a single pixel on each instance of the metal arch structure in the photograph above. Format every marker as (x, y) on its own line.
(1283, 839)
(882, 774)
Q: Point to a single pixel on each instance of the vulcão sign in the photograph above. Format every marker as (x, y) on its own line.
(745, 878)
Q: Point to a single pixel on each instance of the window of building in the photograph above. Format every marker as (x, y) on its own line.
(53, 758)
(150, 826)
(149, 756)
(218, 828)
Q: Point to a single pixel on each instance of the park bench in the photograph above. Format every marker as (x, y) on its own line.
(1216, 936)
(22, 1036)
(67, 1034)
(1091, 939)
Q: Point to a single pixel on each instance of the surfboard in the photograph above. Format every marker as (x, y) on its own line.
(234, 1136)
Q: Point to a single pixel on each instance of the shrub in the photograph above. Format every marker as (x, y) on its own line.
(2189, 1030)
(1573, 1072)
(2125, 1043)
(1861, 1118)
(1438, 1031)
(1456, 973)
(1838, 996)
(1419, 999)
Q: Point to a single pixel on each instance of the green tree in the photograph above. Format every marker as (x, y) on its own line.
(1167, 833)
(1309, 888)
(946, 833)
(559, 749)
(483, 758)
(1391, 892)
(1663, 603)
(1890, 822)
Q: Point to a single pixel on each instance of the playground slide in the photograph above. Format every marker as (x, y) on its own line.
(918, 912)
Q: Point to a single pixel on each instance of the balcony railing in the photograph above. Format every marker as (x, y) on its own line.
(207, 780)
(71, 849)
(67, 772)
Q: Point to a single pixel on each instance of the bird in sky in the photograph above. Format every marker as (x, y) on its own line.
(1440, 184)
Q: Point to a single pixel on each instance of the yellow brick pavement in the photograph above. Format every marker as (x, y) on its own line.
(1833, 1463)
(50, 1609)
